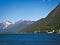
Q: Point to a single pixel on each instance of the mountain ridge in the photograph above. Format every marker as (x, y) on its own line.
(51, 22)
(13, 28)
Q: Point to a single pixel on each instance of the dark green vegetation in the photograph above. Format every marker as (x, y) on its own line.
(50, 23)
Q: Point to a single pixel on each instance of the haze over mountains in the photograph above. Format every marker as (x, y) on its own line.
(50, 23)
(9, 27)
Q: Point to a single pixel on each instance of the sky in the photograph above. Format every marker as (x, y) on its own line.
(15, 10)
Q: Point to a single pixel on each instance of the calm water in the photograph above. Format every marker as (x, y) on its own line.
(29, 39)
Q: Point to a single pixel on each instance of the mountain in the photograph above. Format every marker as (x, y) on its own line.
(8, 27)
(5, 24)
(49, 23)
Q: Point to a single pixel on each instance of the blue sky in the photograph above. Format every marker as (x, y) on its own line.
(15, 10)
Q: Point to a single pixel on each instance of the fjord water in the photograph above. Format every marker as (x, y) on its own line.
(29, 39)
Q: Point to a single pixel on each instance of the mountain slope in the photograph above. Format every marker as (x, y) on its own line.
(13, 28)
(51, 22)
(5, 24)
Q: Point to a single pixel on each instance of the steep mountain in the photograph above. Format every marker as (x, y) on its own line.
(7, 27)
(51, 22)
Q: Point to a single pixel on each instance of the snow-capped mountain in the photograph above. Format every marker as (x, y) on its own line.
(10, 27)
(19, 25)
(5, 24)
